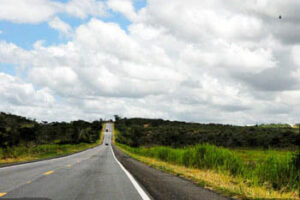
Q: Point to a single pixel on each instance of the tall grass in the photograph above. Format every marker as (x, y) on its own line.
(281, 172)
(276, 172)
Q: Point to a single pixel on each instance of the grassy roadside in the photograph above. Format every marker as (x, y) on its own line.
(256, 155)
(225, 184)
(21, 154)
(215, 178)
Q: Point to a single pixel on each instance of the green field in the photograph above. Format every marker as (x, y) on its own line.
(256, 155)
(270, 168)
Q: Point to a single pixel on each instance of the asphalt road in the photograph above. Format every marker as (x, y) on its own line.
(96, 173)
(91, 174)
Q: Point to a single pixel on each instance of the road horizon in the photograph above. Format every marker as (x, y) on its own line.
(91, 174)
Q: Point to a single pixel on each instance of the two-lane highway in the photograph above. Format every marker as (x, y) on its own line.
(91, 174)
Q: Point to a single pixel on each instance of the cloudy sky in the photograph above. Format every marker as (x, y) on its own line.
(204, 61)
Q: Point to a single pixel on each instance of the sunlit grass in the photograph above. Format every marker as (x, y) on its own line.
(255, 155)
(224, 182)
(268, 172)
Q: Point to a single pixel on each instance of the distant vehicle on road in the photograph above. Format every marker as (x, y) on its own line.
(106, 144)
(106, 130)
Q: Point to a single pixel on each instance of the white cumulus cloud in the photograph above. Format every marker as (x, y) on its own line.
(62, 27)
(37, 11)
(82, 9)
(206, 61)
(123, 6)
(32, 11)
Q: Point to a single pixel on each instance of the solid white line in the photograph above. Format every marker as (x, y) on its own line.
(133, 181)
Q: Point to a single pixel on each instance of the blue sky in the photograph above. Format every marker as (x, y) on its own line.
(31, 33)
(25, 35)
(8, 69)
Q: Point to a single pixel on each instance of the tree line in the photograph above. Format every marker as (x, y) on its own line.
(16, 130)
(148, 132)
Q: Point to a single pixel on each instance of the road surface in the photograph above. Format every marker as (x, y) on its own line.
(96, 173)
(91, 174)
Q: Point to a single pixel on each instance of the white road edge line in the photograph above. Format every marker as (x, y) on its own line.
(131, 178)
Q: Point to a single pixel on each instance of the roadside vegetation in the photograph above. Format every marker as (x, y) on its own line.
(23, 139)
(149, 132)
(251, 167)
(231, 186)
